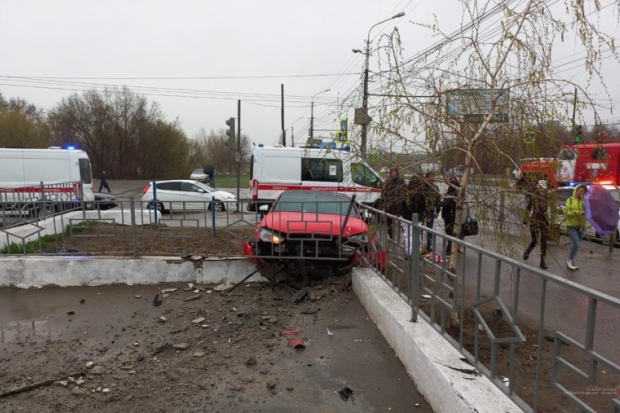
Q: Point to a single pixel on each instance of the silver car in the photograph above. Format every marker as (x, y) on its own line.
(199, 175)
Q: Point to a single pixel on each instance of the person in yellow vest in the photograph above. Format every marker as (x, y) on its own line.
(575, 212)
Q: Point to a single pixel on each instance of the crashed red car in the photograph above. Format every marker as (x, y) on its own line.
(324, 230)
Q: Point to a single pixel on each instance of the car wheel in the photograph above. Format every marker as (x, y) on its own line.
(219, 207)
(160, 207)
(251, 207)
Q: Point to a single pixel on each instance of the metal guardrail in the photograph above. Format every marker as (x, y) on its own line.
(487, 309)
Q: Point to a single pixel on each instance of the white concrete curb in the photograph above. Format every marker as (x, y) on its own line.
(426, 355)
(26, 272)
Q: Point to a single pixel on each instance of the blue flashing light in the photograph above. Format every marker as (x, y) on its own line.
(70, 147)
(260, 145)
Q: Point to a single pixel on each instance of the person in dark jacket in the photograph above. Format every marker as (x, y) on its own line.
(414, 202)
(448, 212)
(392, 197)
(104, 183)
(537, 216)
(433, 206)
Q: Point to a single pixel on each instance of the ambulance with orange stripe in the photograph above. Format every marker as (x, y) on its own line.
(277, 169)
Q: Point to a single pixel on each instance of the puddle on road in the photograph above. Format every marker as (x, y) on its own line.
(15, 331)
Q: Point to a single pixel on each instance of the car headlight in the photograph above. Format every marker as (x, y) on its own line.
(268, 236)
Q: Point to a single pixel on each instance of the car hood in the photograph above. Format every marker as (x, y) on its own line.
(220, 194)
(309, 223)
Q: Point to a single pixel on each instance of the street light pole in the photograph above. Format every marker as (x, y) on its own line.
(293, 130)
(365, 96)
(312, 112)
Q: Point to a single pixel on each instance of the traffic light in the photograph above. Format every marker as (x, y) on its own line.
(529, 137)
(578, 135)
(231, 129)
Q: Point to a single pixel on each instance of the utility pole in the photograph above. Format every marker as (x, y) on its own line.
(283, 130)
(574, 107)
(366, 120)
(312, 113)
(238, 157)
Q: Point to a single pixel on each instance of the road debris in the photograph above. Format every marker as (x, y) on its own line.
(156, 301)
(181, 346)
(192, 297)
(97, 370)
(224, 287)
(310, 311)
(329, 333)
(289, 332)
(168, 290)
(297, 343)
(199, 353)
(198, 320)
(299, 296)
(346, 393)
(90, 364)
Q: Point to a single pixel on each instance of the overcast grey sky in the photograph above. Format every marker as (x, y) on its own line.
(277, 40)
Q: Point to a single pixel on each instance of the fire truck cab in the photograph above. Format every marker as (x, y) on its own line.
(589, 162)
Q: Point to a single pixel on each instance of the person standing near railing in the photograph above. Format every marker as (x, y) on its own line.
(433, 201)
(575, 212)
(414, 202)
(448, 212)
(537, 216)
(392, 198)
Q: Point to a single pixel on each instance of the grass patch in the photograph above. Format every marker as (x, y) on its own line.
(32, 246)
(230, 181)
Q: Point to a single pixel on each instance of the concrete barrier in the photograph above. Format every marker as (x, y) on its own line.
(26, 272)
(428, 358)
(57, 224)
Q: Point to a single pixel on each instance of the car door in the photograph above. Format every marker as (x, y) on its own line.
(194, 196)
(168, 194)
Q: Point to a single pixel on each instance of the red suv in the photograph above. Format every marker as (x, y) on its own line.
(325, 230)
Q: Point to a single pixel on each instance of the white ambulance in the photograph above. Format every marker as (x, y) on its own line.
(277, 169)
(62, 175)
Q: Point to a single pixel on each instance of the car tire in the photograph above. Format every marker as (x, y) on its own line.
(219, 207)
(251, 207)
(160, 207)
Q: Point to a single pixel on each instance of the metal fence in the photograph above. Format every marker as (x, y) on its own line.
(547, 342)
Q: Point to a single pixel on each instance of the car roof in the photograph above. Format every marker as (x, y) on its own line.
(314, 196)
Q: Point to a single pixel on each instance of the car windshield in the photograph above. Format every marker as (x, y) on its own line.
(314, 202)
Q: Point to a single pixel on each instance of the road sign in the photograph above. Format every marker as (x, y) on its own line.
(529, 137)
(474, 105)
(361, 117)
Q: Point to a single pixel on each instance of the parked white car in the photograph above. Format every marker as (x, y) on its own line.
(199, 175)
(565, 192)
(188, 195)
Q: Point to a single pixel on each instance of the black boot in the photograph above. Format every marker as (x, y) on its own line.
(543, 264)
(526, 254)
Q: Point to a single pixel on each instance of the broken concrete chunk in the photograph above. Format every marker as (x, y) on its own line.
(181, 346)
(63, 383)
(192, 297)
(89, 364)
(198, 320)
(199, 353)
(224, 287)
(168, 290)
(97, 370)
(79, 391)
(126, 367)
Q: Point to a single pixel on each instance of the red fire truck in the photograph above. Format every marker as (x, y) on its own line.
(588, 162)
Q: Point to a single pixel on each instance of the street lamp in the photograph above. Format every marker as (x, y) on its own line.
(365, 99)
(312, 112)
(293, 130)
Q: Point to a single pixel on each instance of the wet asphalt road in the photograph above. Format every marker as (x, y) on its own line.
(355, 356)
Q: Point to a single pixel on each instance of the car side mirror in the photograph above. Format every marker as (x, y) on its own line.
(202, 191)
(264, 208)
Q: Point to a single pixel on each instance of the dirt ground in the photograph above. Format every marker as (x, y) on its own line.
(109, 349)
(155, 239)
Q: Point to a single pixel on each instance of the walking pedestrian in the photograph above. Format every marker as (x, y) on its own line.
(539, 221)
(209, 170)
(391, 199)
(414, 202)
(575, 212)
(448, 212)
(433, 207)
(104, 183)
